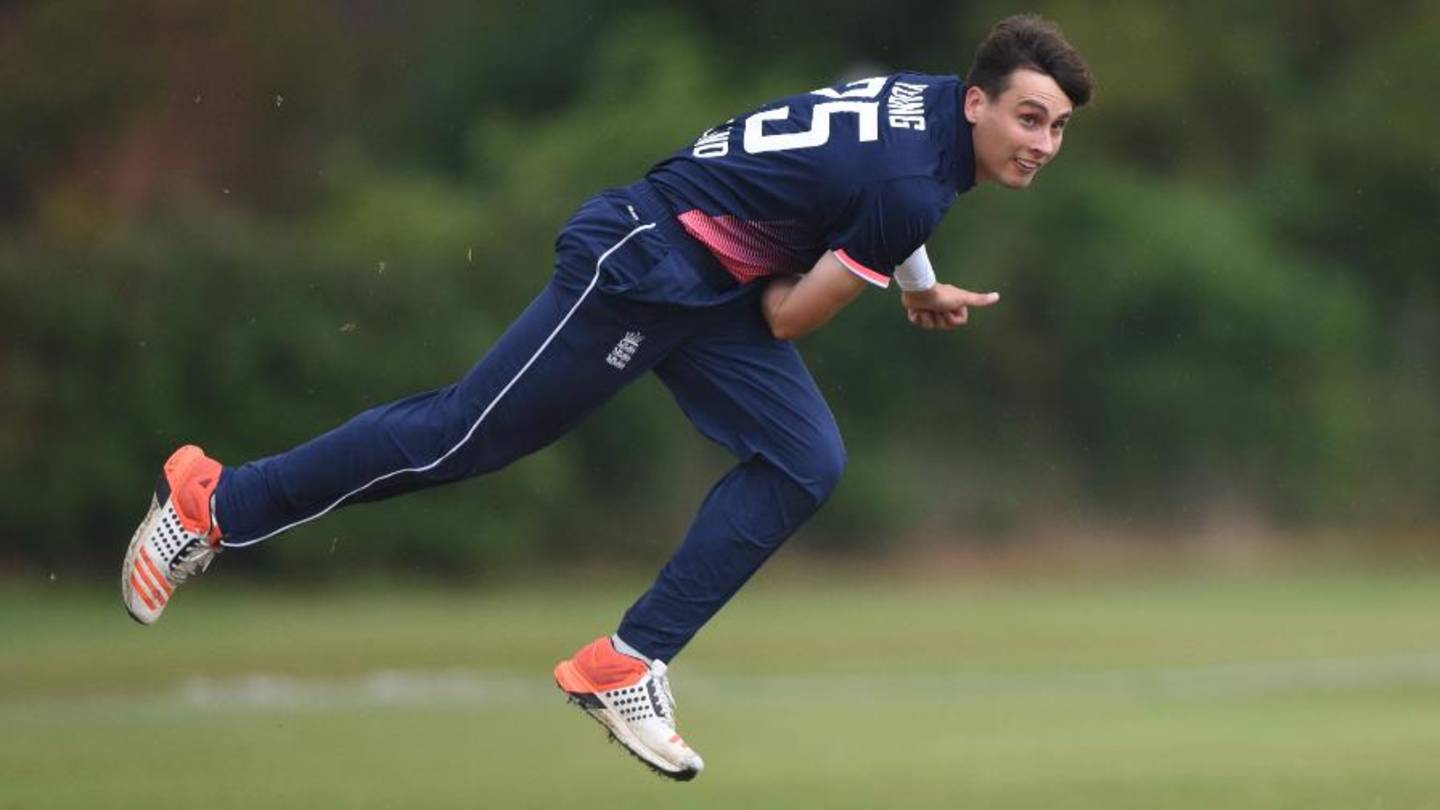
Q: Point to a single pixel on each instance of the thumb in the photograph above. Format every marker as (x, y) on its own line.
(981, 299)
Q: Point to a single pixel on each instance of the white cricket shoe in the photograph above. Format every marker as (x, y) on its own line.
(632, 699)
(178, 537)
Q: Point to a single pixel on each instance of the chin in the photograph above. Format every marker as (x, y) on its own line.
(1016, 180)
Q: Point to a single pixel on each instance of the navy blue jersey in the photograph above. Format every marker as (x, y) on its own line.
(865, 169)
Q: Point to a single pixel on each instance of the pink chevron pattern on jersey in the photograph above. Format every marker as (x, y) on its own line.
(749, 250)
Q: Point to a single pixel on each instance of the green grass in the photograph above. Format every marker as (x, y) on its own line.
(1310, 689)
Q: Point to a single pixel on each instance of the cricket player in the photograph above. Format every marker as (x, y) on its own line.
(703, 273)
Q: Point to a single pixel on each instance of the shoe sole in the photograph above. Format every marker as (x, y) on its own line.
(603, 713)
(127, 591)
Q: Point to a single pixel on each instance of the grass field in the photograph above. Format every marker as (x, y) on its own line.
(1310, 689)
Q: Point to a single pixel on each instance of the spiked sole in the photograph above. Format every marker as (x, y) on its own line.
(595, 706)
(678, 776)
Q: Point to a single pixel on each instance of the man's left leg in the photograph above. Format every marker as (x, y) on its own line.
(753, 395)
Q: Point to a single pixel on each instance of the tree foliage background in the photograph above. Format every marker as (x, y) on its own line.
(239, 224)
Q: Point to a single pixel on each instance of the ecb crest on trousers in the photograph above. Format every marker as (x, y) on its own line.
(619, 356)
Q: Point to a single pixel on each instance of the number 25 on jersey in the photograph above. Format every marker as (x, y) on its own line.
(857, 98)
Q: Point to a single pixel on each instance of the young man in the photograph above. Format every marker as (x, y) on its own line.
(703, 272)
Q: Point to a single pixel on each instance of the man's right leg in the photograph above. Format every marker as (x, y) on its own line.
(547, 372)
(549, 369)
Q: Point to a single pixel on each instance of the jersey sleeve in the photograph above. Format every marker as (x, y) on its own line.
(887, 222)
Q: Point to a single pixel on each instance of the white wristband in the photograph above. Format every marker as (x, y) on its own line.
(915, 274)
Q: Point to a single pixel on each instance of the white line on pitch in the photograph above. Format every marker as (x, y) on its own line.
(468, 687)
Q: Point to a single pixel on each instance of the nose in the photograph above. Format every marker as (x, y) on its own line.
(1045, 144)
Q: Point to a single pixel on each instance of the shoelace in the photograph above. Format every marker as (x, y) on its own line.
(662, 692)
(192, 560)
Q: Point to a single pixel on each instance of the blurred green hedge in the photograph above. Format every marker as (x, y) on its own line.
(240, 226)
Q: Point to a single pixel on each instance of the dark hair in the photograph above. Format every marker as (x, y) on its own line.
(1030, 41)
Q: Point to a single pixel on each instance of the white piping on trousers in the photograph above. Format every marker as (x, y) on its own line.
(488, 408)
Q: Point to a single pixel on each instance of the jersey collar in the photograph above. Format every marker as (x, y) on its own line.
(963, 166)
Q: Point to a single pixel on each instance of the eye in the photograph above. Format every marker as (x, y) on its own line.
(1029, 120)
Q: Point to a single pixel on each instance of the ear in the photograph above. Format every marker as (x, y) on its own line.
(975, 101)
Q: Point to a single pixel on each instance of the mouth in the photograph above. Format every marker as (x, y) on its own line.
(1027, 166)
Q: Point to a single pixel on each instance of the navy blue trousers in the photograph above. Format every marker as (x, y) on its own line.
(601, 322)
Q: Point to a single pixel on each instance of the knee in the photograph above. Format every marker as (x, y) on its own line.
(820, 471)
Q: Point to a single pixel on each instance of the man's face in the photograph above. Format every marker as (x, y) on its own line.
(1020, 131)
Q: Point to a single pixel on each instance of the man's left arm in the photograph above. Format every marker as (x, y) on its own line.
(929, 304)
(798, 305)
(884, 229)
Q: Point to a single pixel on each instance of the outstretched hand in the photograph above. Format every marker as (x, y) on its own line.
(944, 306)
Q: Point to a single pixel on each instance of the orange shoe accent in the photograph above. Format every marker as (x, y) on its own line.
(150, 572)
(151, 588)
(193, 477)
(144, 593)
(597, 667)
